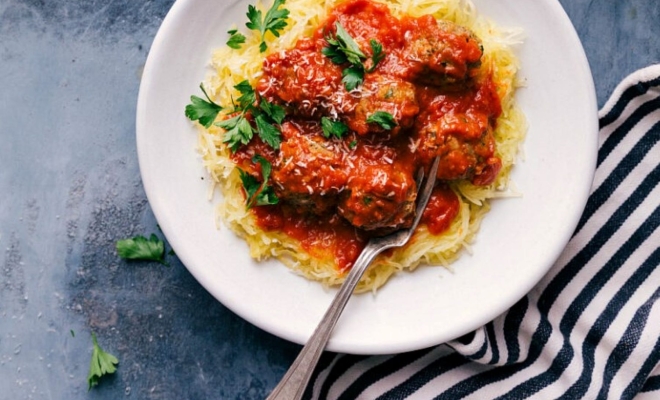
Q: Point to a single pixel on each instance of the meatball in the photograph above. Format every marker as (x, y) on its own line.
(388, 94)
(465, 144)
(310, 170)
(439, 53)
(379, 198)
(306, 81)
(459, 128)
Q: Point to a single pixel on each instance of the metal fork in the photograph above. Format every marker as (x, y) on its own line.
(293, 384)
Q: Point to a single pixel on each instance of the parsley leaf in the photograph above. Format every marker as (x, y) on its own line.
(352, 77)
(248, 95)
(333, 53)
(141, 248)
(274, 21)
(333, 128)
(267, 132)
(377, 54)
(238, 131)
(203, 111)
(258, 194)
(250, 185)
(343, 49)
(102, 363)
(382, 118)
(275, 112)
(236, 39)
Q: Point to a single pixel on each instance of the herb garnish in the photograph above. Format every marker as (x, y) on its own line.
(236, 39)
(333, 128)
(239, 131)
(274, 21)
(102, 363)
(377, 54)
(203, 111)
(258, 194)
(141, 248)
(352, 77)
(343, 49)
(384, 119)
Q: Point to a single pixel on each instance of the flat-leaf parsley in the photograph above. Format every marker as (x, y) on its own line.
(102, 363)
(203, 111)
(141, 248)
(382, 118)
(236, 39)
(238, 129)
(343, 49)
(274, 21)
(333, 128)
(258, 194)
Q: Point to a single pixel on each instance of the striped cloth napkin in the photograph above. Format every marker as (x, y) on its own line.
(590, 329)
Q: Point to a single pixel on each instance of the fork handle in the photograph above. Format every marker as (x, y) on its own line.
(293, 384)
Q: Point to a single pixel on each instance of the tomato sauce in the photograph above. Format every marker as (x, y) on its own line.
(327, 237)
(335, 192)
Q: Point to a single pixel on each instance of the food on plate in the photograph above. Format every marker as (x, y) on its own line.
(316, 119)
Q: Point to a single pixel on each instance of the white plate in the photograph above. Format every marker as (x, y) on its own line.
(518, 242)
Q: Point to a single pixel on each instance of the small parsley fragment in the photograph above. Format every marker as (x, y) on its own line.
(333, 128)
(248, 95)
(258, 194)
(343, 49)
(384, 119)
(141, 248)
(236, 39)
(102, 363)
(377, 54)
(203, 111)
(274, 21)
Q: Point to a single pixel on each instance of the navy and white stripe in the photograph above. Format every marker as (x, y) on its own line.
(590, 329)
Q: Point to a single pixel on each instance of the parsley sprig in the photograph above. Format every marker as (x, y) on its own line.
(377, 54)
(382, 118)
(236, 39)
(333, 128)
(239, 130)
(258, 194)
(141, 248)
(203, 111)
(274, 21)
(343, 49)
(102, 363)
